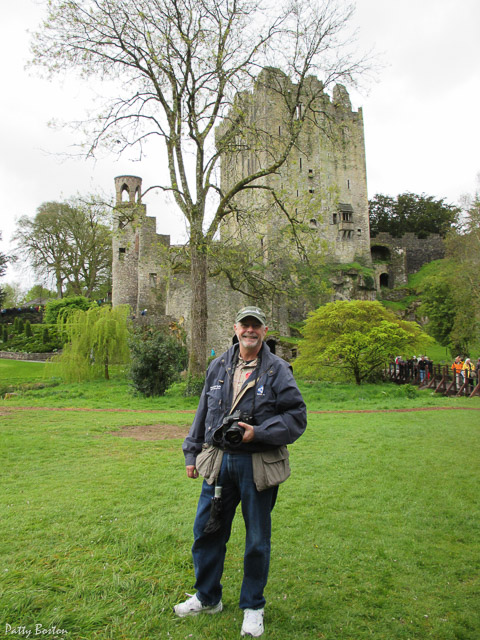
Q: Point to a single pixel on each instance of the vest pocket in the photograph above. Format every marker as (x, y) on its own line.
(208, 462)
(270, 468)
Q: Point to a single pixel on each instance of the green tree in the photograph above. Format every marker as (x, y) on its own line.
(13, 295)
(38, 291)
(157, 358)
(359, 337)
(182, 62)
(4, 259)
(69, 242)
(408, 212)
(463, 248)
(59, 310)
(97, 338)
(28, 329)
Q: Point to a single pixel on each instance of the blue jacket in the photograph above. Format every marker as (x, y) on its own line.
(280, 415)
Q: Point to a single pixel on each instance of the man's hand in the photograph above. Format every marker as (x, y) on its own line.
(249, 432)
(192, 471)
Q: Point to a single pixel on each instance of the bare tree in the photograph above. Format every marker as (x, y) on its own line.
(181, 64)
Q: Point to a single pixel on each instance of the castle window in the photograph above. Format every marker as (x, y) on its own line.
(313, 223)
(121, 253)
(334, 218)
(125, 193)
(311, 190)
(359, 232)
(310, 173)
(153, 280)
(279, 130)
(384, 280)
(380, 253)
(299, 110)
(348, 184)
(345, 212)
(300, 159)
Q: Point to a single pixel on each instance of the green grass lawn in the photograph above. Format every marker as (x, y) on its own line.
(375, 535)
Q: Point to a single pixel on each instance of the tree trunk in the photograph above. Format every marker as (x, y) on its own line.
(105, 362)
(198, 316)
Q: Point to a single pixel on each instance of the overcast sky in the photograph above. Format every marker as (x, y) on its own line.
(422, 123)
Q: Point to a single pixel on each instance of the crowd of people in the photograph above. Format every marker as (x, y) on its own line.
(464, 369)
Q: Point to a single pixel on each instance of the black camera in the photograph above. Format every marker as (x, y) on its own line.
(231, 433)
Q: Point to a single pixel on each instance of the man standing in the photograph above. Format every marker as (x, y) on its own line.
(249, 410)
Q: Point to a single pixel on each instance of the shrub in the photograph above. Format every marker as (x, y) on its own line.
(62, 309)
(194, 386)
(28, 329)
(5, 334)
(156, 361)
(45, 336)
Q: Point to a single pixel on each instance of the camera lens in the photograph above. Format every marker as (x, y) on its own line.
(234, 435)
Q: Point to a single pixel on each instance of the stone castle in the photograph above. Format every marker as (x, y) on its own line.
(324, 180)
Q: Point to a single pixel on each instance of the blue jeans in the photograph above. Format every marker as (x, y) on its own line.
(236, 478)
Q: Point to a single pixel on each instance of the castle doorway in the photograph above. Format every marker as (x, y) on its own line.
(271, 344)
(384, 281)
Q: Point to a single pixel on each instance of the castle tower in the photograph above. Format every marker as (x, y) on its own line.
(128, 190)
(136, 277)
(323, 182)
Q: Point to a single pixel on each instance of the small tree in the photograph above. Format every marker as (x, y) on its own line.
(357, 336)
(28, 329)
(45, 336)
(97, 338)
(156, 361)
(5, 334)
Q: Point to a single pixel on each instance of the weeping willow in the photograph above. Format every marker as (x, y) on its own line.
(96, 339)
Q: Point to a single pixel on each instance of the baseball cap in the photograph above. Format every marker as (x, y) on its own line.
(251, 312)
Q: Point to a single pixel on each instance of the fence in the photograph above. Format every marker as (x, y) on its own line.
(441, 378)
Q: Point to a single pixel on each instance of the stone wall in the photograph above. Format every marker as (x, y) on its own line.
(15, 355)
(397, 258)
(223, 303)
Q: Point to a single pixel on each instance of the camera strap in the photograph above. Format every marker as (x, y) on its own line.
(249, 385)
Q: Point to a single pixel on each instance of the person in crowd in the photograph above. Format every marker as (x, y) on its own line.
(422, 368)
(469, 372)
(457, 367)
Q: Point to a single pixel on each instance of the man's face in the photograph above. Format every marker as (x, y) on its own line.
(250, 333)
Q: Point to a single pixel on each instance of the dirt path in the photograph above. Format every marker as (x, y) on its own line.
(161, 431)
(6, 410)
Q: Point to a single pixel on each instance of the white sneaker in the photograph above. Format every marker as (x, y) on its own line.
(252, 622)
(193, 606)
